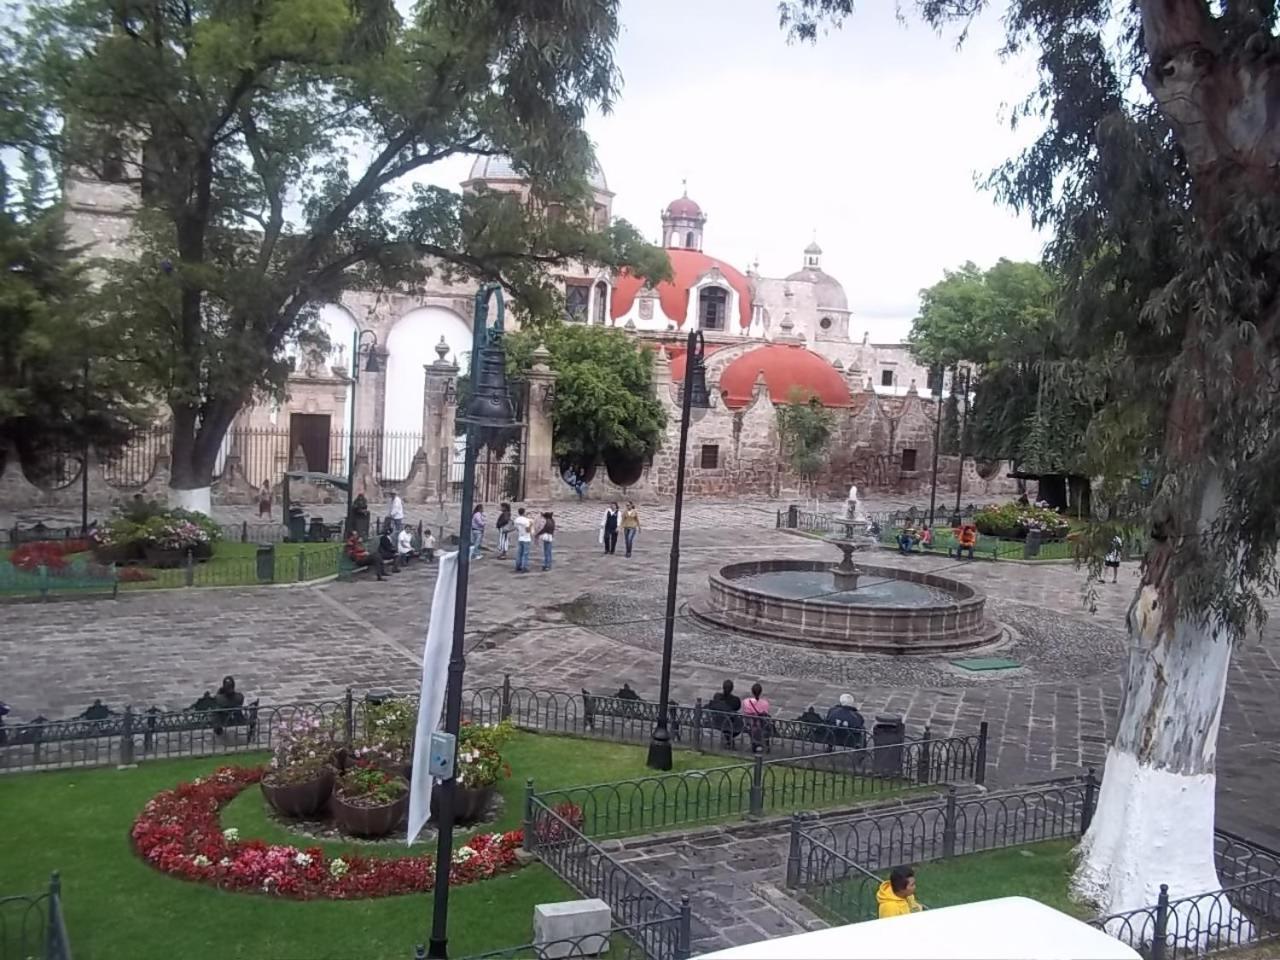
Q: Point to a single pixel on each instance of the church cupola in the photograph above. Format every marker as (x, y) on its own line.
(813, 256)
(682, 223)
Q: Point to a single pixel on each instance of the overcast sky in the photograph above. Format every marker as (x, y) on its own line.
(870, 140)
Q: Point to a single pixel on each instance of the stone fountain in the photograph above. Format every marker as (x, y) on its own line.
(847, 606)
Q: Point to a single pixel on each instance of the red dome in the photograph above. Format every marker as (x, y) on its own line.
(679, 356)
(683, 207)
(785, 367)
(686, 267)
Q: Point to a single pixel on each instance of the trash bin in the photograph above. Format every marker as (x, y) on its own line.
(318, 533)
(1031, 549)
(888, 735)
(266, 562)
(297, 524)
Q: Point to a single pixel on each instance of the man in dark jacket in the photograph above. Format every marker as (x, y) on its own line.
(848, 726)
(726, 705)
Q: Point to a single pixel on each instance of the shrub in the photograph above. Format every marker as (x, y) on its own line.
(167, 529)
(1014, 521)
(480, 762)
(370, 785)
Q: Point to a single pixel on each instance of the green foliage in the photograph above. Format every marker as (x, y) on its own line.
(480, 762)
(604, 402)
(805, 427)
(51, 341)
(230, 117)
(371, 786)
(949, 441)
(1164, 207)
(1013, 521)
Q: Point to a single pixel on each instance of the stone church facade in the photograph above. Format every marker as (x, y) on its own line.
(766, 337)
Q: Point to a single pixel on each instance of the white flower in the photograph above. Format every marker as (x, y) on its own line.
(463, 854)
(302, 859)
(495, 837)
(338, 868)
(231, 834)
(200, 860)
(224, 862)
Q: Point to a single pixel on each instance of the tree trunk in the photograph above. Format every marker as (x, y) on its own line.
(1155, 817)
(196, 443)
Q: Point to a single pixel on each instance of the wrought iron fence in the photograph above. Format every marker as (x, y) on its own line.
(685, 798)
(663, 930)
(105, 736)
(619, 943)
(33, 926)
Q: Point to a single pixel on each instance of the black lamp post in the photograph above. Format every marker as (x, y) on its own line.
(937, 436)
(964, 388)
(487, 416)
(694, 395)
(372, 365)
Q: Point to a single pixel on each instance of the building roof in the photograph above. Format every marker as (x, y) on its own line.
(813, 248)
(687, 267)
(786, 367)
(830, 293)
(499, 167)
(683, 207)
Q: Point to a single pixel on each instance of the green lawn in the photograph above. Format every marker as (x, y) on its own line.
(77, 822)
(232, 564)
(1038, 870)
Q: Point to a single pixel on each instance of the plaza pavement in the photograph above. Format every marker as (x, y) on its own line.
(292, 643)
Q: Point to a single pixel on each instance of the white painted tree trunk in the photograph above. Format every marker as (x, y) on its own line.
(1155, 815)
(199, 499)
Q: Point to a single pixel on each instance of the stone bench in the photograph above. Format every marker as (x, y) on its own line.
(572, 928)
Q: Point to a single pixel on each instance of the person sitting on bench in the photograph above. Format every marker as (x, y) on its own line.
(229, 702)
(966, 539)
(847, 723)
(726, 705)
(361, 557)
(387, 550)
(404, 546)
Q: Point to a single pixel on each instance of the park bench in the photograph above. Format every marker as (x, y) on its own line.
(100, 721)
(627, 705)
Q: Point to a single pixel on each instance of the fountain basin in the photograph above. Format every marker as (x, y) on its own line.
(894, 610)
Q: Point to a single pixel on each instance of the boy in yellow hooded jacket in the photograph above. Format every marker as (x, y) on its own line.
(897, 895)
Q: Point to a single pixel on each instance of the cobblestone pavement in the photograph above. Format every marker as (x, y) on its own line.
(595, 622)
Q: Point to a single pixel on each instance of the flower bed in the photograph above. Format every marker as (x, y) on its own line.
(1013, 521)
(179, 833)
(51, 554)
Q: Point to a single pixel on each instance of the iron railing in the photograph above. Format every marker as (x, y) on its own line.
(684, 798)
(663, 930)
(106, 736)
(619, 943)
(33, 926)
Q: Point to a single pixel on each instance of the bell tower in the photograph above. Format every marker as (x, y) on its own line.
(682, 223)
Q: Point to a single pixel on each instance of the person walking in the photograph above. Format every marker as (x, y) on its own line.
(547, 536)
(478, 522)
(264, 499)
(630, 526)
(503, 526)
(609, 528)
(1112, 561)
(524, 540)
(395, 513)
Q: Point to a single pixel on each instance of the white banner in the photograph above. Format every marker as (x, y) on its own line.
(435, 677)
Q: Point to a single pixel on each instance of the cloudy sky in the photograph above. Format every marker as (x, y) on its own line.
(870, 141)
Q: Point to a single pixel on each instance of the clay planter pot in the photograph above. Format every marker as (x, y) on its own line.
(369, 821)
(119, 555)
(469, 804)
(304, 799)
(202, 551)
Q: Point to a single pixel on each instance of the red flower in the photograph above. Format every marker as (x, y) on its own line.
(179, 833)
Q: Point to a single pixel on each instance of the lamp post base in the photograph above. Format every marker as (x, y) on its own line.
(437, 949)
(660, 751)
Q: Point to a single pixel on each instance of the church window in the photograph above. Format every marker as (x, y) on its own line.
(577, 300)
(688, 239)
(602, 301)
(710, 456)
(908, 461)
(886, 378)
(825, 323)
(712, 304)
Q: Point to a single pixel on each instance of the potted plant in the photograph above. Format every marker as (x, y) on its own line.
(118, 541)
(388, 733)
(170, 538)
(299, 781)
(480, 766)
(368, 801)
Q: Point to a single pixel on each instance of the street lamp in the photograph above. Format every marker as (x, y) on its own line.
(937, 435)
(961, 425)
(487, 417)
(372, 365)
(695, 395)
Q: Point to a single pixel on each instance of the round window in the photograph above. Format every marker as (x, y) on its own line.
(825, 323)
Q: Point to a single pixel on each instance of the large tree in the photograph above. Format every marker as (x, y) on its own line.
(1165, 209)
(277, 147)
